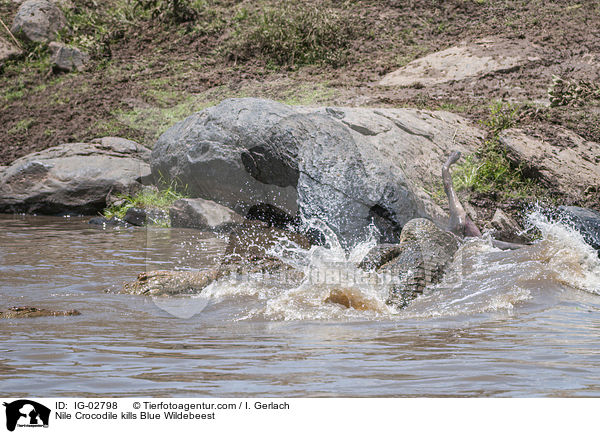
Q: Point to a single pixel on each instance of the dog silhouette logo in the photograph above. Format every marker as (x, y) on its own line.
(26, 413)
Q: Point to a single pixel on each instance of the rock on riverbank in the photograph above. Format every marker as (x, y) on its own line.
(569, 166)
(38, 21)
(73, 178)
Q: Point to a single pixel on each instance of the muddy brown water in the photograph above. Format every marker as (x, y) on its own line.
(516, 324)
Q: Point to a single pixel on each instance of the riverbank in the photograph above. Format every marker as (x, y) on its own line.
(148, 70)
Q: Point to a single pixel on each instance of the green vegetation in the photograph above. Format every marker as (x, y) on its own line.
(92, 27)
(572, 92)
(107, 127)
(95, 27)
(35, 64)
(151, 122)
(22, 126)
(502, 116)
(292, 35)
(489, 169)
(177, 11)
(307, 94)
(147, 198)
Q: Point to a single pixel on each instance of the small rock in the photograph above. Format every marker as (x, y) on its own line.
(38, 21)
(505, 228)
(202, 214)
(34, 312)
(146, 216)
(8, 50)
(66, 58)
(104, 222)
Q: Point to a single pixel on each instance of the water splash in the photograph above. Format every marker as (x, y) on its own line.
(564, 251)
(334, 286)
(481, 278)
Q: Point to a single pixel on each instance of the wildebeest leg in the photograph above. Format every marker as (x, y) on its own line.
(460, 223)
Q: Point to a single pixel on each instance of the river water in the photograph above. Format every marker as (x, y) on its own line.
(521, 323)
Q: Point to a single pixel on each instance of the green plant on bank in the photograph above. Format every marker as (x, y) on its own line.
(502, 116)
(151, 122)
(572, 92)
(92, 26)
(292, 35)
(148, 199)
(16, 75)
(177, 11)
(489, 169)
(22, 126)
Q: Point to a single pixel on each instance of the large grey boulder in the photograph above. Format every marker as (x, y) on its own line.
(570, 165)
(204, 215)
(75, 177)
(38, 21)
(347, 166)
(66, 58)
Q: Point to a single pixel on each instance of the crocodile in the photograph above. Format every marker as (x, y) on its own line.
(34, 312)
(425, 250)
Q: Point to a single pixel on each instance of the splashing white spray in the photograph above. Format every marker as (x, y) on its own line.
(481, 278)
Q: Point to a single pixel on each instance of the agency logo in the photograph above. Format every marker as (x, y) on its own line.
(26, 413)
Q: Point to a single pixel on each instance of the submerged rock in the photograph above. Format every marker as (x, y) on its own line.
(350, 299)
(425, 252)
(505, 228)
(347, 166)
(146, 216)
(38, 21)
(73, 178)
(34, 312)
(586, 221)
(113, 222)
(204, 215)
